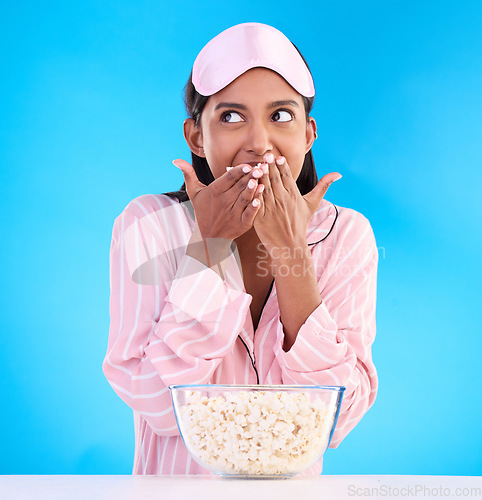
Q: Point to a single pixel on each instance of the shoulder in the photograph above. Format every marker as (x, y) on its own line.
(354, 230)
(352, 221)
(151, 224)
(166, 209)
(341, 230)
(146, 204)
(330, 223)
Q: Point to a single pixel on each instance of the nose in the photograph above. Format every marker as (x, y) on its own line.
(258, 140)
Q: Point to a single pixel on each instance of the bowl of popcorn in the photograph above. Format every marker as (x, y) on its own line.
(256, 431)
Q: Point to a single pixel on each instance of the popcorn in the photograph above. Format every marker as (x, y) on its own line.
(256, 433)
(229, 168)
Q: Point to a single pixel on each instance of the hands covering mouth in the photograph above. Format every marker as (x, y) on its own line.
(264, 196)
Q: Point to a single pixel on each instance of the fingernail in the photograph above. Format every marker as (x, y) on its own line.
(338, 178)
(251, 184)
(247, 169)
(255, 202)
(265, 168)
(260, 189)
(280, 160)
(228, 169)
(257, 173)
(269, 158)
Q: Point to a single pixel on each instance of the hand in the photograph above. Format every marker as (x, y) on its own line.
(282, 220)
(224, 209)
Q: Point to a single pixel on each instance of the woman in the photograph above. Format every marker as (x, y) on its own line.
(254, 277)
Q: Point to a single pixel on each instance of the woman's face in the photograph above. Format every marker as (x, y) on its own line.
(256, 114)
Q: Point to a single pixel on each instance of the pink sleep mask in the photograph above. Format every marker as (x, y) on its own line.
(245, 46)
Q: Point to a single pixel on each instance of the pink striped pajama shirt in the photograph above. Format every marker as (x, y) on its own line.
(175, 321)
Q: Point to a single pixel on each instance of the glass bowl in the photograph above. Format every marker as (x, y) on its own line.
(256, 431)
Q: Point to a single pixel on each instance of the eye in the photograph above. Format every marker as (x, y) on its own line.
(282, 115)
(231, 117)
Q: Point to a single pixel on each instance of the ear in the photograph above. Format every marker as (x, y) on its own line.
(310, 133)
(194, 137)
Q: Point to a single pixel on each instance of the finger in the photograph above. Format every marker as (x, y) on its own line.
(246, 194)
(240, 189)
(258, 195)
(250, 212)
(251, 190)
(315, 196)
(193, 184)
(264, 180)
(286, 175)
(276, 184)
(233, 174)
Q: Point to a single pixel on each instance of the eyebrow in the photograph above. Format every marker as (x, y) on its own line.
(274, 104)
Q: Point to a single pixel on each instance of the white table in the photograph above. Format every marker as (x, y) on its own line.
(213, 488)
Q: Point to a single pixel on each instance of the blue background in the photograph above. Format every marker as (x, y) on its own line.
(91, 116)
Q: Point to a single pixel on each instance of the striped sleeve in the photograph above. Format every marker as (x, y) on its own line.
(333, 346)
(164, 331)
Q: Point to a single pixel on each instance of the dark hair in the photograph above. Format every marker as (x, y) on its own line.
(195, 102)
